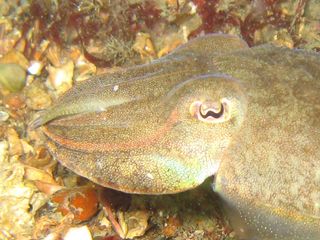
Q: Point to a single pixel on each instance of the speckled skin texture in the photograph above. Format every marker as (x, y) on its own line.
(270, 172)
(132, 131)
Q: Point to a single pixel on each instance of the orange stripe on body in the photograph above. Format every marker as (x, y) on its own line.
(106, 147)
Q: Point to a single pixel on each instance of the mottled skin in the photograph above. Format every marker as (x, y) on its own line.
(145, 130)
(270, 173)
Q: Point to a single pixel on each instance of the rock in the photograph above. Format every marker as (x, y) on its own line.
(12, 76)
(37, 97)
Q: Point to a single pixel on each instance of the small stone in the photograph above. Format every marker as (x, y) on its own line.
(171, 226)
(4, 152)
(35, 67)
(12, 76)
(15, 146)
(278, 36)
(78, 233)
(37, 97)
(4, 115)
(115, 88)
(82, 202)
(133, 223)
(27, 148)
(9, 35)
(41, 158)
(19, 200)
(14, 101)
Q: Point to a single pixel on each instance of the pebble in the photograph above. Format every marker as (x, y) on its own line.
(171, 226)
(15, 146)
(82, 233)
(14, 101)
(12, 77)
(137, 223)
(35, 67)
(82, 202)
(4, 115)
(37, 97)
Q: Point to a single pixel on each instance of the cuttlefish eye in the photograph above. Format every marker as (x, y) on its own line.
(210, 111)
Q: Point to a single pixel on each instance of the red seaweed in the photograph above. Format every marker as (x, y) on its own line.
(143, 15)
(263, 12)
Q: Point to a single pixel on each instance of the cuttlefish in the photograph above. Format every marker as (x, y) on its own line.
(250, 117)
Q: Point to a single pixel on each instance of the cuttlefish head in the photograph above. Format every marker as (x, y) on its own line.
(153, 143)
(209, 110)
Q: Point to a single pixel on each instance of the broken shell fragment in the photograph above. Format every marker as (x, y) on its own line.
(15, 146)
(60, 78)
(35, 174)
(84, 69)
(4, 115)
(47, 188)
(144, 46)
(40, 50)
(137, 223)
(19, 200)
(54, 55)
(35, 67)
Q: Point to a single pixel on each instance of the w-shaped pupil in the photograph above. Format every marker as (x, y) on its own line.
(212, 113)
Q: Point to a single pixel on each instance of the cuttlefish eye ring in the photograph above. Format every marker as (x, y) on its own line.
(211, 112)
